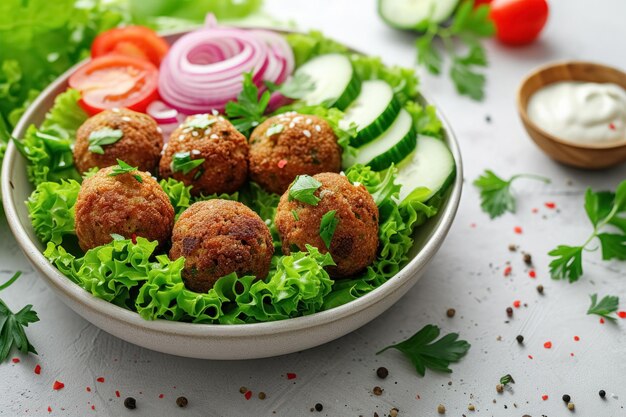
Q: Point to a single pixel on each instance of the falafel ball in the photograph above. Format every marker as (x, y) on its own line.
(123, 205)
(214, 139)
(135, 138)
(218, 237)
(355, 240)
(289, 145)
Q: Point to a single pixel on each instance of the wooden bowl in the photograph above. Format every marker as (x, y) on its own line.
(595, 156)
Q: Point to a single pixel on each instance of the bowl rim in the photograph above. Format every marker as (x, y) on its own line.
(523, 109)
(60, 283)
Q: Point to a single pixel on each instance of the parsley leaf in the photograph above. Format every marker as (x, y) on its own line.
(123, 168)
(424, 352)
(507, 379)
(12, 326)
(298, 86)
(182, 162)
(607, 306)
(101, 137)
(469, 25)
(603, 208)
(294, 213)
(303, 189)
(327, 227)
(249, 109)
(274, 129)
(495, 193)
(200, 121)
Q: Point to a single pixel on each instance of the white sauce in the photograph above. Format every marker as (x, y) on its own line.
(580, 112)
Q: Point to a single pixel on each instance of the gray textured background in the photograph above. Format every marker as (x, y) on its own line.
(467, 274)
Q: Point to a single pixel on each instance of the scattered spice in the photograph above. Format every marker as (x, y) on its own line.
(130, 403)
(518, 230)
(512, 247)
(540, 289)
(621, 314)
(601, 320)
(291, 375)
(528, 259)
(612, 126)
(500, 388)
(319, 407)
(451, 312)
(544, 397)
(88, 389)
(570, 406)
(508, 270)
(377, 391)
(517, 303)
(602, 393)
(393, 412)
(547, 345)
(38, 370)
(520, 339)
(161, 395)
(49, 409)
(117, 394)
(182, 402)
(530, 357)
(282, 163)
(576, 338)
(382, 372)
(262, 395)
(566, 398)
(471, 407)
(58, 385)
(532, 273)
(551, 205)
(441, 409)
(100, 379)
(509, 311)
(15, 360)
(243, 390)
(248, 395)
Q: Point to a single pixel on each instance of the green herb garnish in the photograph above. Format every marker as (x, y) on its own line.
(200, 121)
(603, 209)
(303, 189)
(495, 193)
(607, 306)
(182, 162)
(507, 379)
(295, 215)
(274, 129)
(327, 227)
(295, 87)
(249, 109)
(105, 136)
(12, 326)
(424, 352)
(123, 168)
(469, 25)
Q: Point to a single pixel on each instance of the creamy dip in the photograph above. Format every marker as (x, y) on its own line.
(580, 112)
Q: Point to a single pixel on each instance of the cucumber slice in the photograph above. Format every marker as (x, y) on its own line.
(411, 14)
(373, 111)
(336, 82)
(391, 147)
(431, 166)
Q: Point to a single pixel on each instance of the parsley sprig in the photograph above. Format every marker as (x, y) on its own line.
(303, 189)
(182, 162)
(424, 352)
(605, 308)
(123, 168)
(604, 209)
(101, 137)
(495, 193)
(249, 109)
(469, 25)
(12, 326)
(327, 227)
(507, 379)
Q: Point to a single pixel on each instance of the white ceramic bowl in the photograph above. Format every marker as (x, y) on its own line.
(241, 341)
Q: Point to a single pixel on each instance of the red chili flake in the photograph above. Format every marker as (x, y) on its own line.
(49, 409)
(58, 385)
(532, 273)
(100, 379)
(612, 126)
(38, 370)
(517, 303)
(133, 238)
(601, 320)
(535, 210)
(517, 230)
(15, 360)
(576, 338)
(507, 271)
(547, 345)
(571, 354)
(117, 394)
(281, 164)
(161, 395)
(417, 397)
(530, 357)
(93, 407)
(621, 314)
(473, 225)
(550, 205)
(544, 397)
(88, 389)
(248, 395)
(291, 375)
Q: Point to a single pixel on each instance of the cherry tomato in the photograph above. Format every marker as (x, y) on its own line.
(519, 22)
(116, 81)
(134, 41)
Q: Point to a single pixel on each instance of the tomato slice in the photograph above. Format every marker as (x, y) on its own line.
(134, 41)
(116, 81)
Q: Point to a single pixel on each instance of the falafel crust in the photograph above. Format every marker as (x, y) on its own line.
(355, 241)
(223, 148)
(140, 145)
(305, 145)
(218, 237)
(120, 204)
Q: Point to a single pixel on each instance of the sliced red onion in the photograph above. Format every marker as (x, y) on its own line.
(162, 113)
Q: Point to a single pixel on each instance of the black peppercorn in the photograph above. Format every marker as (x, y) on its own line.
(509, 311)
(602, 393)
(520, 339)
(130, 403)
(451, 312)
(319, 407)
(566, 398)
(540, 289)
(382, 372)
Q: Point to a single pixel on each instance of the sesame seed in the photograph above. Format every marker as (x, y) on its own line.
(214, 112)
(309, 121)
(159, 129)
(194, 133)
(306, 133)
(181, 137)
(126, 119)
(195, 152)
(292, 125)
(214, 136)
(115, 110)
(221, 119)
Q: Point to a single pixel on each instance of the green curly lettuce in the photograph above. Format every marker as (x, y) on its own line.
(51, 210)
(309, 45)
(178, 193)
(425, 119)
(48, 150)
(403, 81)
(264, 204)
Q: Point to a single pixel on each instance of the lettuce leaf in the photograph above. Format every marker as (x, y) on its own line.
(425, 119)
(264, 204)
(309, 45)
(404, 81)
(51, 210)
